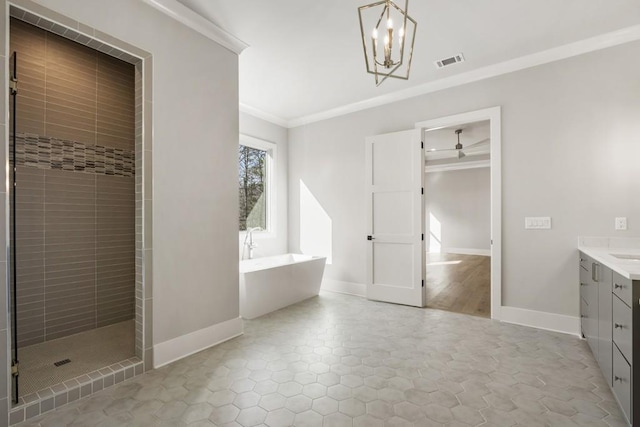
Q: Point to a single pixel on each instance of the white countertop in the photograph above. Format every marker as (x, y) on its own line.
(603, 249)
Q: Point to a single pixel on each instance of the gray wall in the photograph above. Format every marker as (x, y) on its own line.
(75, 218)
(571, 144)
(460, 201)
(276, 242)
(195, 145)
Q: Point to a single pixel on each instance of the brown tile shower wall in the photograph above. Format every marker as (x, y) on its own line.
(69, 91)
(75, 217)
(115, 249)
(69, 253)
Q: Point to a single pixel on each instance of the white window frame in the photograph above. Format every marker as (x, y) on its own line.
(270, 187)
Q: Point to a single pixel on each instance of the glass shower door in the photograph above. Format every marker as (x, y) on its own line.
(13, 91)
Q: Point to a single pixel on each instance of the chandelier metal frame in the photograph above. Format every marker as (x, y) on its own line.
(374, 66)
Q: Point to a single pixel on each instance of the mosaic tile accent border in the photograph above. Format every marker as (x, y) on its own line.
(46, 400)
(43, 152)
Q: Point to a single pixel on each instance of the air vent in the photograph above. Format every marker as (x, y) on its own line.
(450, 61)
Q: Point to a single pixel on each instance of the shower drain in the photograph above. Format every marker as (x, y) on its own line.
(62, 362)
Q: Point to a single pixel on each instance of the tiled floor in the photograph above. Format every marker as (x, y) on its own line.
(337, 360)
(88, 352)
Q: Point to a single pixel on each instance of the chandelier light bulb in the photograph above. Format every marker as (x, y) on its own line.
(389, 24)
(386, 41)
(374, 34)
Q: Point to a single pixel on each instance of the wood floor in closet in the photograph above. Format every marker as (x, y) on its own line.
(459, 283)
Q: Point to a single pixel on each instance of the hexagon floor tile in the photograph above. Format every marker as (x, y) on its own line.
(343, 360)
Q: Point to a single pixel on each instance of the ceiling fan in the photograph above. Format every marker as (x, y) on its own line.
(458, 147)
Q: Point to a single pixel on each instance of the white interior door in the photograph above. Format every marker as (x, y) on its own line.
(395, 218)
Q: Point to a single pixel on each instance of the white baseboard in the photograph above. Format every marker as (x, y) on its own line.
(350, 288)
(541, 320)
(186, 345)
(518, 316)
(467, 251)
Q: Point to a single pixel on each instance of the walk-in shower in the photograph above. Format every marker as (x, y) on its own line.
(72, 210)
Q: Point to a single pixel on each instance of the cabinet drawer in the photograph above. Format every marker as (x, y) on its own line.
(622, 322)
(622, 382)
(622, 288)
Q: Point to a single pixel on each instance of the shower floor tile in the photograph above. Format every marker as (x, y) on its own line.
(88, 351)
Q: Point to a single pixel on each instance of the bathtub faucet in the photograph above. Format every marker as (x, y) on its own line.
(250, 244)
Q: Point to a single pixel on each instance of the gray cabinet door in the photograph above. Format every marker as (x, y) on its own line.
(584, 305)
(605, 326)
(591, 294)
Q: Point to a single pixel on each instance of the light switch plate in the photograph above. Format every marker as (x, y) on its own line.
(621, 223)
(537, 223)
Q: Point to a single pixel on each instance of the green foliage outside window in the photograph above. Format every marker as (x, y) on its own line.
(252, 178)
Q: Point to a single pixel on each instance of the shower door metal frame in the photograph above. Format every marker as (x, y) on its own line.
(13, 92)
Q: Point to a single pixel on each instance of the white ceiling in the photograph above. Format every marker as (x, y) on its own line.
(305, 57)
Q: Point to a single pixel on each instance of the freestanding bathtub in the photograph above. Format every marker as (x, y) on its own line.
(271, 283)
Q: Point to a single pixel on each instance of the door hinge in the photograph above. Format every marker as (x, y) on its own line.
(423, 283)
(422, 190)
(15, 371)
(13, 85)
(369, 237)
(422, 236)
(422, 144)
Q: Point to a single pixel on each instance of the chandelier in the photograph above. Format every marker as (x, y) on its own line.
(387, 58)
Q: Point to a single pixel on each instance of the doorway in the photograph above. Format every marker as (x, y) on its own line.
(395, 173)
(457, 199)
(73, 208)
(79, 227)
(463, 267)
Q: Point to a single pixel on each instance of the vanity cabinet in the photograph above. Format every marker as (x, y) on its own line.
(610, 317)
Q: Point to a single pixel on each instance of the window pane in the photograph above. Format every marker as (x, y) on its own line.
(252, 179)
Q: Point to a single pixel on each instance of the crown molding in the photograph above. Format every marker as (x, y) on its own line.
(603, 41)
(191, 19)
(260, 114)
